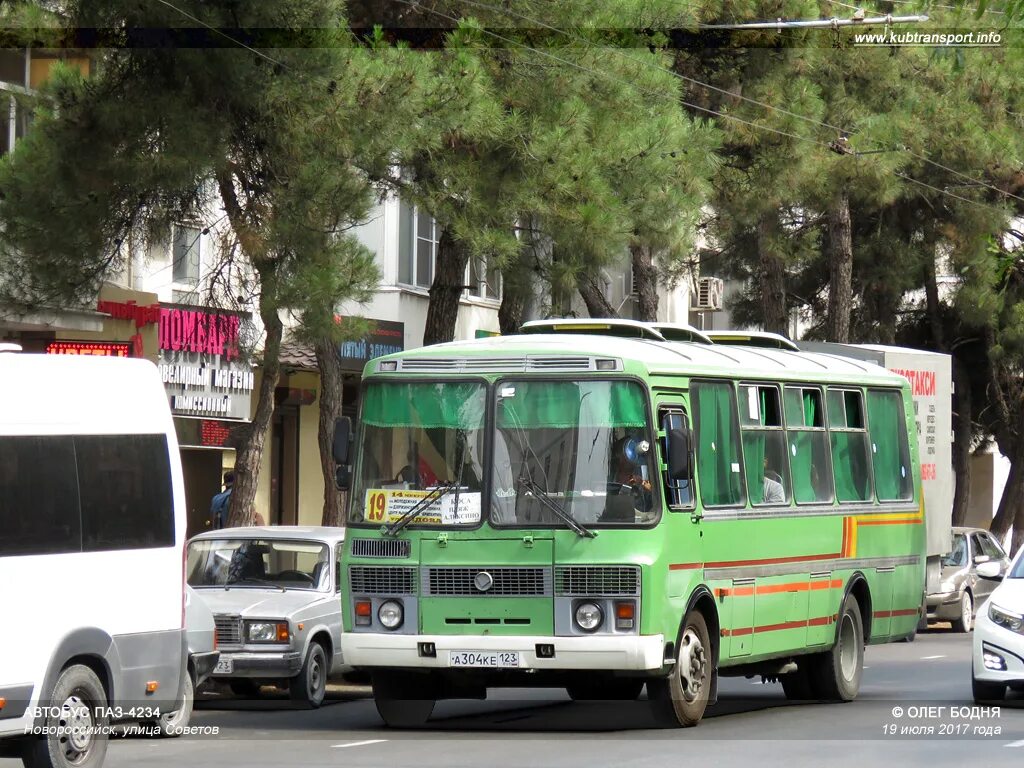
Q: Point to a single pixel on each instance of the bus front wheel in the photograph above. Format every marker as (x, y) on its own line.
(403, 700)
(681, 698)
(76, 723)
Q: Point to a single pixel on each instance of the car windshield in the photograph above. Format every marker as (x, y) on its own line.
(422, 449)
(1017, 572)
(958, 556)
(258, 563)
(583, 445)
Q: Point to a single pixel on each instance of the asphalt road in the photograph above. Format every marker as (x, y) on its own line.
(752, 723)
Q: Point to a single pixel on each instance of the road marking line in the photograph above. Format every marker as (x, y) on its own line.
(1015, 743)
(929, 658)
(358, 743)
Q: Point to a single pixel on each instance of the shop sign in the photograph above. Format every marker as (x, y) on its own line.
(387, 337)
(93, 348)
(199, 364)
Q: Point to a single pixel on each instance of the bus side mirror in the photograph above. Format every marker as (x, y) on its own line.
(679, 441)
(342, 438)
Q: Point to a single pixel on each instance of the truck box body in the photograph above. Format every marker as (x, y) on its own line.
(931, 381)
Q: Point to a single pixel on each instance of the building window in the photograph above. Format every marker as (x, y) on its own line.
(484, 279)
(418, 234)
(185, 254)
(14, 66)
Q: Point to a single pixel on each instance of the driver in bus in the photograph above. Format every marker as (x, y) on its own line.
(628, 455)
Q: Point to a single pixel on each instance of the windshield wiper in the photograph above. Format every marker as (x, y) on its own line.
(542, 496)
(254, 580)
(410, 514)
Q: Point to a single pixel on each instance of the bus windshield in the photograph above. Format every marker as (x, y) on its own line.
(422, 449)
(584, 446)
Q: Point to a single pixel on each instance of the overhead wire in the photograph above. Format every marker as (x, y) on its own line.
(606, 75)
(781, 110)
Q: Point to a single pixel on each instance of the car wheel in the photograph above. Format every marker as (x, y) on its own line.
(605, 688)
(404, 700)
(681, 698)
(836, 677)
(985, 692)
(76, 721)
(966, 619)
(172, 723)
(310, 686)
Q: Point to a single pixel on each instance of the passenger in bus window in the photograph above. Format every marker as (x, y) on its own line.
(774, 493)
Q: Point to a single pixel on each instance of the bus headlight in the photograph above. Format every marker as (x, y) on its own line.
(390, 614)
(589, 616)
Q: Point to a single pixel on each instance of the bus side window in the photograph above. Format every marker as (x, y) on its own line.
(679, 493)
(890, 452)
(808, 445)
(719, 462)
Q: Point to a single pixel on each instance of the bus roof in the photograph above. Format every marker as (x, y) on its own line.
(567, 353)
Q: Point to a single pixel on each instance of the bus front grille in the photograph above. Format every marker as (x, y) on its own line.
(381, 547)
(382, 580)
(584, 580)
(492, 582)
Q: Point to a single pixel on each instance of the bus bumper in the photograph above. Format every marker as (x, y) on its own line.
(597, 652)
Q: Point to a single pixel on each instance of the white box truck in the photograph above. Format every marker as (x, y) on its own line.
(931, 382)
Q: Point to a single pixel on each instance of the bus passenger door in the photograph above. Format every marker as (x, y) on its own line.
(682, 525)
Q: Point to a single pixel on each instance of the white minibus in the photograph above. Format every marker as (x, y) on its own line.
(92, 535)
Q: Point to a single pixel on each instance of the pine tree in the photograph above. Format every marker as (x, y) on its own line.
(285, 139)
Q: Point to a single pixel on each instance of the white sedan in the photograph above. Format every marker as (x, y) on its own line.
(999, 635)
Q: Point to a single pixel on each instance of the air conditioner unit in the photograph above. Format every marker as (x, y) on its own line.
(710, 293)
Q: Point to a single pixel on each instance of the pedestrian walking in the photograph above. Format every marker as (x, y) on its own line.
(220, 502)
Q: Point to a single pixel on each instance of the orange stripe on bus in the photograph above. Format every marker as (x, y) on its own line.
(898, 612)
(771, 560)
(818, 621)
(771, 589)
(684, 566)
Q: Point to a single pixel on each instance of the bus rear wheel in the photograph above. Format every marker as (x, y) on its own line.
(837, 674)
(681, 698)
(404, 700)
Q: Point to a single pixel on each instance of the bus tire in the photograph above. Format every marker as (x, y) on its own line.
(681, 698)
(403, 700)
(82, 701)
(837, 675)
(605, 688)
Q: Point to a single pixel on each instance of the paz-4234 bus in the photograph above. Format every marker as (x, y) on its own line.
(606, 505)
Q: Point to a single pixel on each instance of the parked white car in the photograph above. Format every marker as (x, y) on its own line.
(274, 595)
(999, 634)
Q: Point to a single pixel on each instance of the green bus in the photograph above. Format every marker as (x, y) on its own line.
(593, 506)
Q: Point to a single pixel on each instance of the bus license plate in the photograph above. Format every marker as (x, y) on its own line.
(224, 667)
(495, 659)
